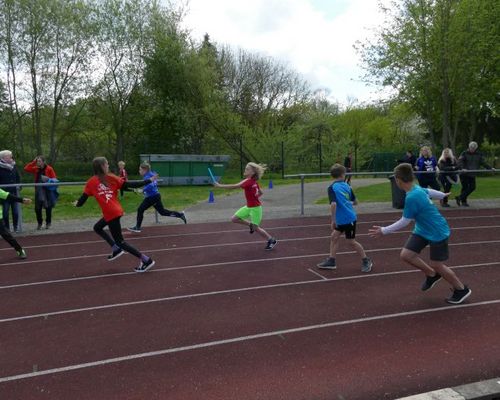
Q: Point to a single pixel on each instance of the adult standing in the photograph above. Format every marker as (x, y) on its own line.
(448, 176)
(427, 163)
(44, 197)
(9, 175)
(408, 158)
(348, 167)
(471, 159)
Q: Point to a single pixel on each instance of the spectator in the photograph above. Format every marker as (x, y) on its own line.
(44, 197)
(408, 158)
(122, 173)
(348, 167)
(448, 176)
(469, 159)
(9, 175)
(427, 162)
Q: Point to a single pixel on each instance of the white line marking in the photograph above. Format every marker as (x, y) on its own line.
(317, 274)
(220, 264)
(145, 237)
(212, 245)
(228, 291)
(242, 339)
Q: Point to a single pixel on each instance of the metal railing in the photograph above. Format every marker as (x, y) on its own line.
(370, 173)
(19, 186)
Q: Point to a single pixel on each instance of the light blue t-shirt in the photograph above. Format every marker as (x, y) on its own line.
(342, 194)
(429, 223)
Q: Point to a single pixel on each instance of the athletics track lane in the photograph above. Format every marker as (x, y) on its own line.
(278, 308)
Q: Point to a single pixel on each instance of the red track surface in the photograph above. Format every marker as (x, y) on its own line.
(220, 318)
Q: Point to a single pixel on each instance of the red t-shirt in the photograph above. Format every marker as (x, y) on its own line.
(106, 196)
(252, 192)
(123, 174)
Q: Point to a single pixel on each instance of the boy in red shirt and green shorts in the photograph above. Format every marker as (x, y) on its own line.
(253, 209)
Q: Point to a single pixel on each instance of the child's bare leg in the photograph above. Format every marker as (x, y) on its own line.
(262, 232)
(334, 243)
(414, 260)
(357, 247)
(238, 220)
(447, 273)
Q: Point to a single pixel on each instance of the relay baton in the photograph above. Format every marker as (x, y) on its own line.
(212, 176)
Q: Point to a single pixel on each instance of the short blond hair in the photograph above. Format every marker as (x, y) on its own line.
(120, 163)
(258, 169)
(4, 153)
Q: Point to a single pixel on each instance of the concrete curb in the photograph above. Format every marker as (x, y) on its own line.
(483, 390)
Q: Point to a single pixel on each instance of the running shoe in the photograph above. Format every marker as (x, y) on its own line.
(457, 199)
(430, 281)
(465, 204)
(183, 217)
(367, 265)
(459, 295)
(115, 254)
(271, 244)
(145, 266)
(252, 228)
(134, 229)
(329, 263)
(21, 254)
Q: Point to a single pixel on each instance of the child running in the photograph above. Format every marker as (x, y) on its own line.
(430, 229)
(4, 232)
(253, 209)
(152, 197)
(104, 187)
(344, 219)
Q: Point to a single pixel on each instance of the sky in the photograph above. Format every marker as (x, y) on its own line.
(313, 37)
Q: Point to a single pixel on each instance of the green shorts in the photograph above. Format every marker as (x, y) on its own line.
(255, 214)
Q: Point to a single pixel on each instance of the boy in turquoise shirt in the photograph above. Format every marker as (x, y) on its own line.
(3, 230)
(430, 229)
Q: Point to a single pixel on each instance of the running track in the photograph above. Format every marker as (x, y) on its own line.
(220, 318)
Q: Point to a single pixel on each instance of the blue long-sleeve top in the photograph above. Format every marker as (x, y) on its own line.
(150, 189)
(426, 164)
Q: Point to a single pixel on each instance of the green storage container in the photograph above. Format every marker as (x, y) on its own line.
(186, 169)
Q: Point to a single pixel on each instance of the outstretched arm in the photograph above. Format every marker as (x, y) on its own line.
(229, 186)
(436, 194)
(378, 231)
(81, 201)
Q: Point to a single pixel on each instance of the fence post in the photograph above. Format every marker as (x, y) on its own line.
(302, 178)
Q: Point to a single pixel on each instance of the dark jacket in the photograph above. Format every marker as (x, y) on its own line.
(447, 168)
(468, 160)
(9, 176)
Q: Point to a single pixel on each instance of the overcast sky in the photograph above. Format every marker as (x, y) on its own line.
(315, 37)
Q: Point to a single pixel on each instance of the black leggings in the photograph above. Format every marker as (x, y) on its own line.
(38, 212)
(8, 237)
(154, 201)
(116, 232)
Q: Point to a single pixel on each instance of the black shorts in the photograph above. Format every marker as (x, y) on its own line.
(439, 250)
(348, 229)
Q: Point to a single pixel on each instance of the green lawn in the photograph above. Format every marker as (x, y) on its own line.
(487, 188)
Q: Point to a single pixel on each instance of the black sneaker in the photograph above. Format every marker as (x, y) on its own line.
(367, 265)
(457, 199)
(145, 266)
(39, 227)
(183, 217)
(329, 263)
(115, 254)
(47, 226)
(459, 296)
(465, 204)
(430, 281)
(134, 229)
(252, 228)
(271, 244)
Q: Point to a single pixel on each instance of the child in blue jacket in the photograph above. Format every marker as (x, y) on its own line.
(152, 198)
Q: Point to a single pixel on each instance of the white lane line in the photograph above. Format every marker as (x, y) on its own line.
(228, 291)
(317, 274)
(219, 264)
(146, 237)
(207, 246)
(246, 338)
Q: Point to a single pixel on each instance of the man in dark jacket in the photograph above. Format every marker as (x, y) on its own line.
(470, 159)
(9, 175)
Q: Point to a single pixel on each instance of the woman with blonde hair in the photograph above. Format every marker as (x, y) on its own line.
(427, 163)
(447, 165)
(253, 209)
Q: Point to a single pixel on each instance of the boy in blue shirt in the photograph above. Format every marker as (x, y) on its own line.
(152, 198)
(344, 219)
(430, 229)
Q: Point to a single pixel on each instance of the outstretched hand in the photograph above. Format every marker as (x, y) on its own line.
(375, 232)
(75, 203)
(216, 184)
(26, 201)
(447, 194)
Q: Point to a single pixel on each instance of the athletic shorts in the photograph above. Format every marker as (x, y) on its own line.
(252, 213)
(348, 229)
(439, 250)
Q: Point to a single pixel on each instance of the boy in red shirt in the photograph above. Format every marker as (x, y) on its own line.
(253, 209)
(104, 187)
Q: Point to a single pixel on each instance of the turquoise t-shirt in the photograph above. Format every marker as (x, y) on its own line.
(342, 194)
(429, 223)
